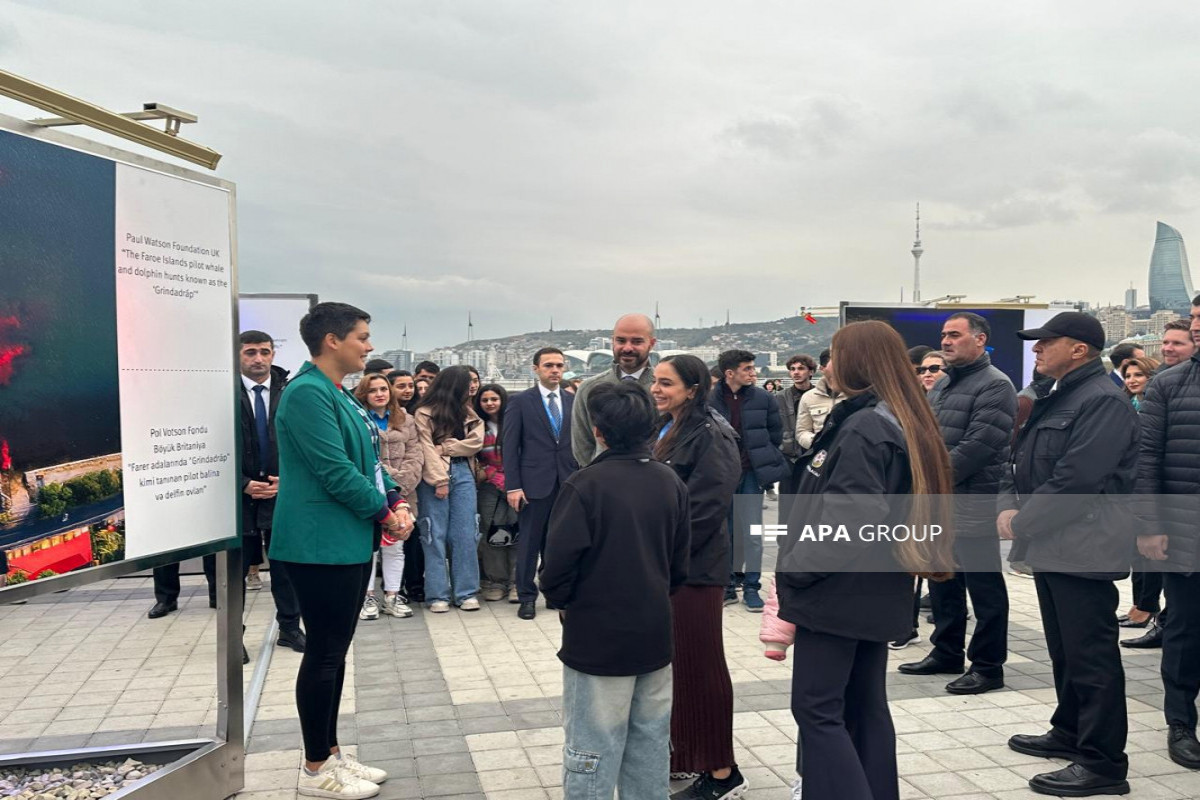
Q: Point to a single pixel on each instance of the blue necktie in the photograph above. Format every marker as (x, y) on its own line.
(261, 429)
(555, 413)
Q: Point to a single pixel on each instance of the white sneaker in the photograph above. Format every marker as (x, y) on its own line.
(797, 789)
(359, 769)
(370, 609)
(393, 606)
(336, 781)
(470, 604)
(439, 606)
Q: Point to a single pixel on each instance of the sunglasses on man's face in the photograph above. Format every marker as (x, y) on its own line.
(933, 368)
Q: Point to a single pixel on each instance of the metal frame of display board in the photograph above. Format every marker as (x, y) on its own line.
(198, 769)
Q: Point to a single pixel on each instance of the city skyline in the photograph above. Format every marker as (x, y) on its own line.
(530, 161)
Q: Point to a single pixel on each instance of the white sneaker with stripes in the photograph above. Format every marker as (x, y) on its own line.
(334, 780)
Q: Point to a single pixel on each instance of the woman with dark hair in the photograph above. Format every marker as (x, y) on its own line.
(451, 435)
(848, 602)
(1137, 373)
(702, 449)
(401, 456)
(1147, 584)
(333, 497)
(476, 382)
(497, 519)
(412, 585)
(421, 386)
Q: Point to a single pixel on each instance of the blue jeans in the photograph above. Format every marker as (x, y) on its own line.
(746, 552)
(618, 732)
(450, 527)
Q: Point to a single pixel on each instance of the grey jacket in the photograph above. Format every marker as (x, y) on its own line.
(789, 400)
(583, 441)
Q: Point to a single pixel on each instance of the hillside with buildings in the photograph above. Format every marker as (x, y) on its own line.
(773, 342)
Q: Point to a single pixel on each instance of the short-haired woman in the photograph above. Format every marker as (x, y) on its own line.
(333, 497)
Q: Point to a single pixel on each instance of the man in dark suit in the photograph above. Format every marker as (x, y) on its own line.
(537, 460)
(259, 391)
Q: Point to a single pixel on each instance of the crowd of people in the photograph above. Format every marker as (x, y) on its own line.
(646, 483)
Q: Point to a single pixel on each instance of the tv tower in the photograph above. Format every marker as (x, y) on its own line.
(917, 250)
(404, 338)
(657, 320)
(470, 328)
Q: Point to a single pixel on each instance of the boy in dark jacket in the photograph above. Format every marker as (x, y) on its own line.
(623, 519)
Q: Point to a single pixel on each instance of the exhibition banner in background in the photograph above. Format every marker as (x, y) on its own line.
(117, 368)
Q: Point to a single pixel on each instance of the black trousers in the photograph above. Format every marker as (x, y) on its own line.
(917, 603)
(1147, 589)
(330, 596)
(531, 521)
(166, 580)
(413, 580)
(1181, 649)
(839, 701)
(287, 611)
(1080, 620)
(989, 597)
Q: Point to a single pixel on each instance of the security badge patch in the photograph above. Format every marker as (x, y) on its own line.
(817, 461)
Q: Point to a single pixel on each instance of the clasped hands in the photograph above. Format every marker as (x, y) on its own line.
(399, 522)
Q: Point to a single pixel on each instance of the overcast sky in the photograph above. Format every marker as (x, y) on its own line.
(582, 159)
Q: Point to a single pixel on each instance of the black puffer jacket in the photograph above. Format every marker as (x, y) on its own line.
(704, 455)
(975, 407)
(856, 591)
(1073, 463)
(1168, 474)
(761, 433)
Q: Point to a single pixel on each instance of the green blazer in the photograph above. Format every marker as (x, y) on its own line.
(328, 461)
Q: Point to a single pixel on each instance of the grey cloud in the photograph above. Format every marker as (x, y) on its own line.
(819, 127)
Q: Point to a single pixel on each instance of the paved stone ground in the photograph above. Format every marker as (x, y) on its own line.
(465, 705)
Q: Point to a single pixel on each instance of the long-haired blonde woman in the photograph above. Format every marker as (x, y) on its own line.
(848, 600)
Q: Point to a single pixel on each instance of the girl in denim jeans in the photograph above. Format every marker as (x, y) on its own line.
(451, 433)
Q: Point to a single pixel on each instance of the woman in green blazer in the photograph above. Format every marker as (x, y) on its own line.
(333, 498)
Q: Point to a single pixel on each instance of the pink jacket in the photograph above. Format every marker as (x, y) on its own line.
(777, 634)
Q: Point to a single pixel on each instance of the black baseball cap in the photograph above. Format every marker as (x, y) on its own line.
(1074, 324)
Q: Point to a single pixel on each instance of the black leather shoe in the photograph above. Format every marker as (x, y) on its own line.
(527, 610)
(1124, 621)
(930, 666)
(293, 639)
(1183, 748)
(245, 656)
(1045, 745)
(974, 683)
(162, 609)
(1076, 781)
(1151, 639)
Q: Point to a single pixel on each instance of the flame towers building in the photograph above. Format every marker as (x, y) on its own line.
(1170, 275)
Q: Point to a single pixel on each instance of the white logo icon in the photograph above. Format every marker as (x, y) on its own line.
(768, 531)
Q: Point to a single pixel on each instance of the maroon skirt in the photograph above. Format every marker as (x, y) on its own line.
(702, 714)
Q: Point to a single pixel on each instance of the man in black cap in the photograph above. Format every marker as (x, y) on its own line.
(1078, 446)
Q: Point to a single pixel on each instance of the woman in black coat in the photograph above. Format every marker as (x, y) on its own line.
(702, 449)
(848, 599)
